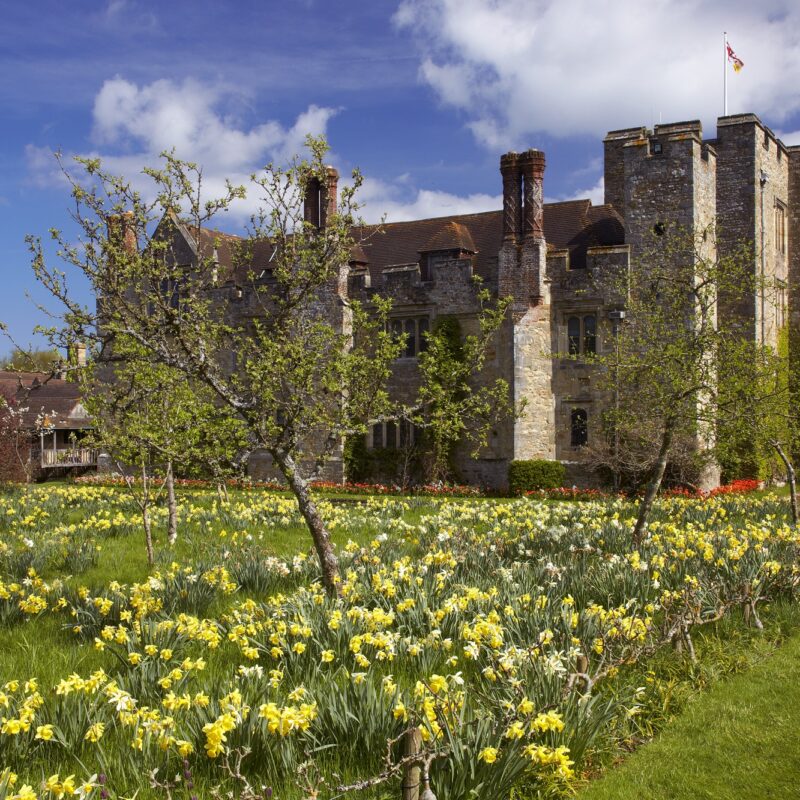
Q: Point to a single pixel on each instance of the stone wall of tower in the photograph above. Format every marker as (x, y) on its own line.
(614, 165)
(669, 183)
(670, 202)
(750, 155)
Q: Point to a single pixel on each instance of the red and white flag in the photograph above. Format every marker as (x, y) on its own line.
(734, 59)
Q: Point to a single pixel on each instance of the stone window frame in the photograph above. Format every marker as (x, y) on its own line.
(578, 427)
(392, 435)
(780, 228)
(780, 303)
(577, 343)
(414, 325)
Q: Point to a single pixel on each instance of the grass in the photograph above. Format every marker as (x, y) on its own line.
(736, 740)
(41, 641)
(718, 741)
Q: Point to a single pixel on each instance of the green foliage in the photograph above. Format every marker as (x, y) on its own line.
(356, 458)
(34, 360)
(754, 382)
(528, 476)
(455, 402)
(378, 463)
(448, 329)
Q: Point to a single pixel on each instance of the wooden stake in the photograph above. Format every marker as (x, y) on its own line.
(412, 772)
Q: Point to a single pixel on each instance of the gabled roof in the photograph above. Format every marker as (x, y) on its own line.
(573, 225)
(44, 398)
(450, 236)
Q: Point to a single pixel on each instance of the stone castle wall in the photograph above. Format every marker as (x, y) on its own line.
(749, 153)
(658, 181)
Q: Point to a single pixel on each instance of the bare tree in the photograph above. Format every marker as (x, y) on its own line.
(311, 366)
(663, 371)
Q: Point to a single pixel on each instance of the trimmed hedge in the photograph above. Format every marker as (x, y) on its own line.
(529, 476)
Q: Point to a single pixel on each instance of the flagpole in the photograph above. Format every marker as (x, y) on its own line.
(725, 73)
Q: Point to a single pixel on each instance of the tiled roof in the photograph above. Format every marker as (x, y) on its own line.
(572, 225)
(43, 397)
(450, 236)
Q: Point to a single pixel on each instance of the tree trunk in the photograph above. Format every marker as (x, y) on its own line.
(646, 505)
(148, 535)
(145, 506)
(172, 506)
(790, 479)
(316, 526)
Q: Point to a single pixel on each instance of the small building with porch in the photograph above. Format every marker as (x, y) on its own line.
(43, 427)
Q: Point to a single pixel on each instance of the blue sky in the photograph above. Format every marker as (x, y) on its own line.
(422, 95)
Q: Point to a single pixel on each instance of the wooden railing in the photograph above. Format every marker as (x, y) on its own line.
(71, 457)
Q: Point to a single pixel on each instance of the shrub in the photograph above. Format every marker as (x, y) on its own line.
(528, 476)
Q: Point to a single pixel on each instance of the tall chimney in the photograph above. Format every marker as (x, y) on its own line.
(311, 202)
(77, 354)
(122, 231)
(532, 167)
(328, 196)
(512, 197)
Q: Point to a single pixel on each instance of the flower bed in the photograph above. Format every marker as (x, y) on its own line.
(498, 631)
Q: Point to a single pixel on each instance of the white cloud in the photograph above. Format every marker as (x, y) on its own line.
(563, 67)
(130, 16)
(133, 124)
(595, 193)
(186, 116)
(43, 170)
(789, 138)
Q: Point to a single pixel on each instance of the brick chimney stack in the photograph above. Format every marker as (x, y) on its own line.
(531, 164)
(311, 202)
(328, 196)
(122, 231)
(319, 203)
(77, 354)
(512, 197)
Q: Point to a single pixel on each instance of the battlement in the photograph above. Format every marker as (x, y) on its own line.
(626, 133)
(726, 127)
(692, 127)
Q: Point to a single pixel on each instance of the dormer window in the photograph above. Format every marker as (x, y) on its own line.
(451, 242)
(430, 261)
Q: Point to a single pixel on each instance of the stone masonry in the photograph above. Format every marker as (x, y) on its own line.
(548, 258)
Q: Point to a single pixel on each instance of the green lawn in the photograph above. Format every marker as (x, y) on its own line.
(736, 741)
(488, 555)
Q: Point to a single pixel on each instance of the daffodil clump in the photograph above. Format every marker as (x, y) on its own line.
(494, 629)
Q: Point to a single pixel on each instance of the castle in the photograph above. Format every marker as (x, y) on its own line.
(544, 255)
